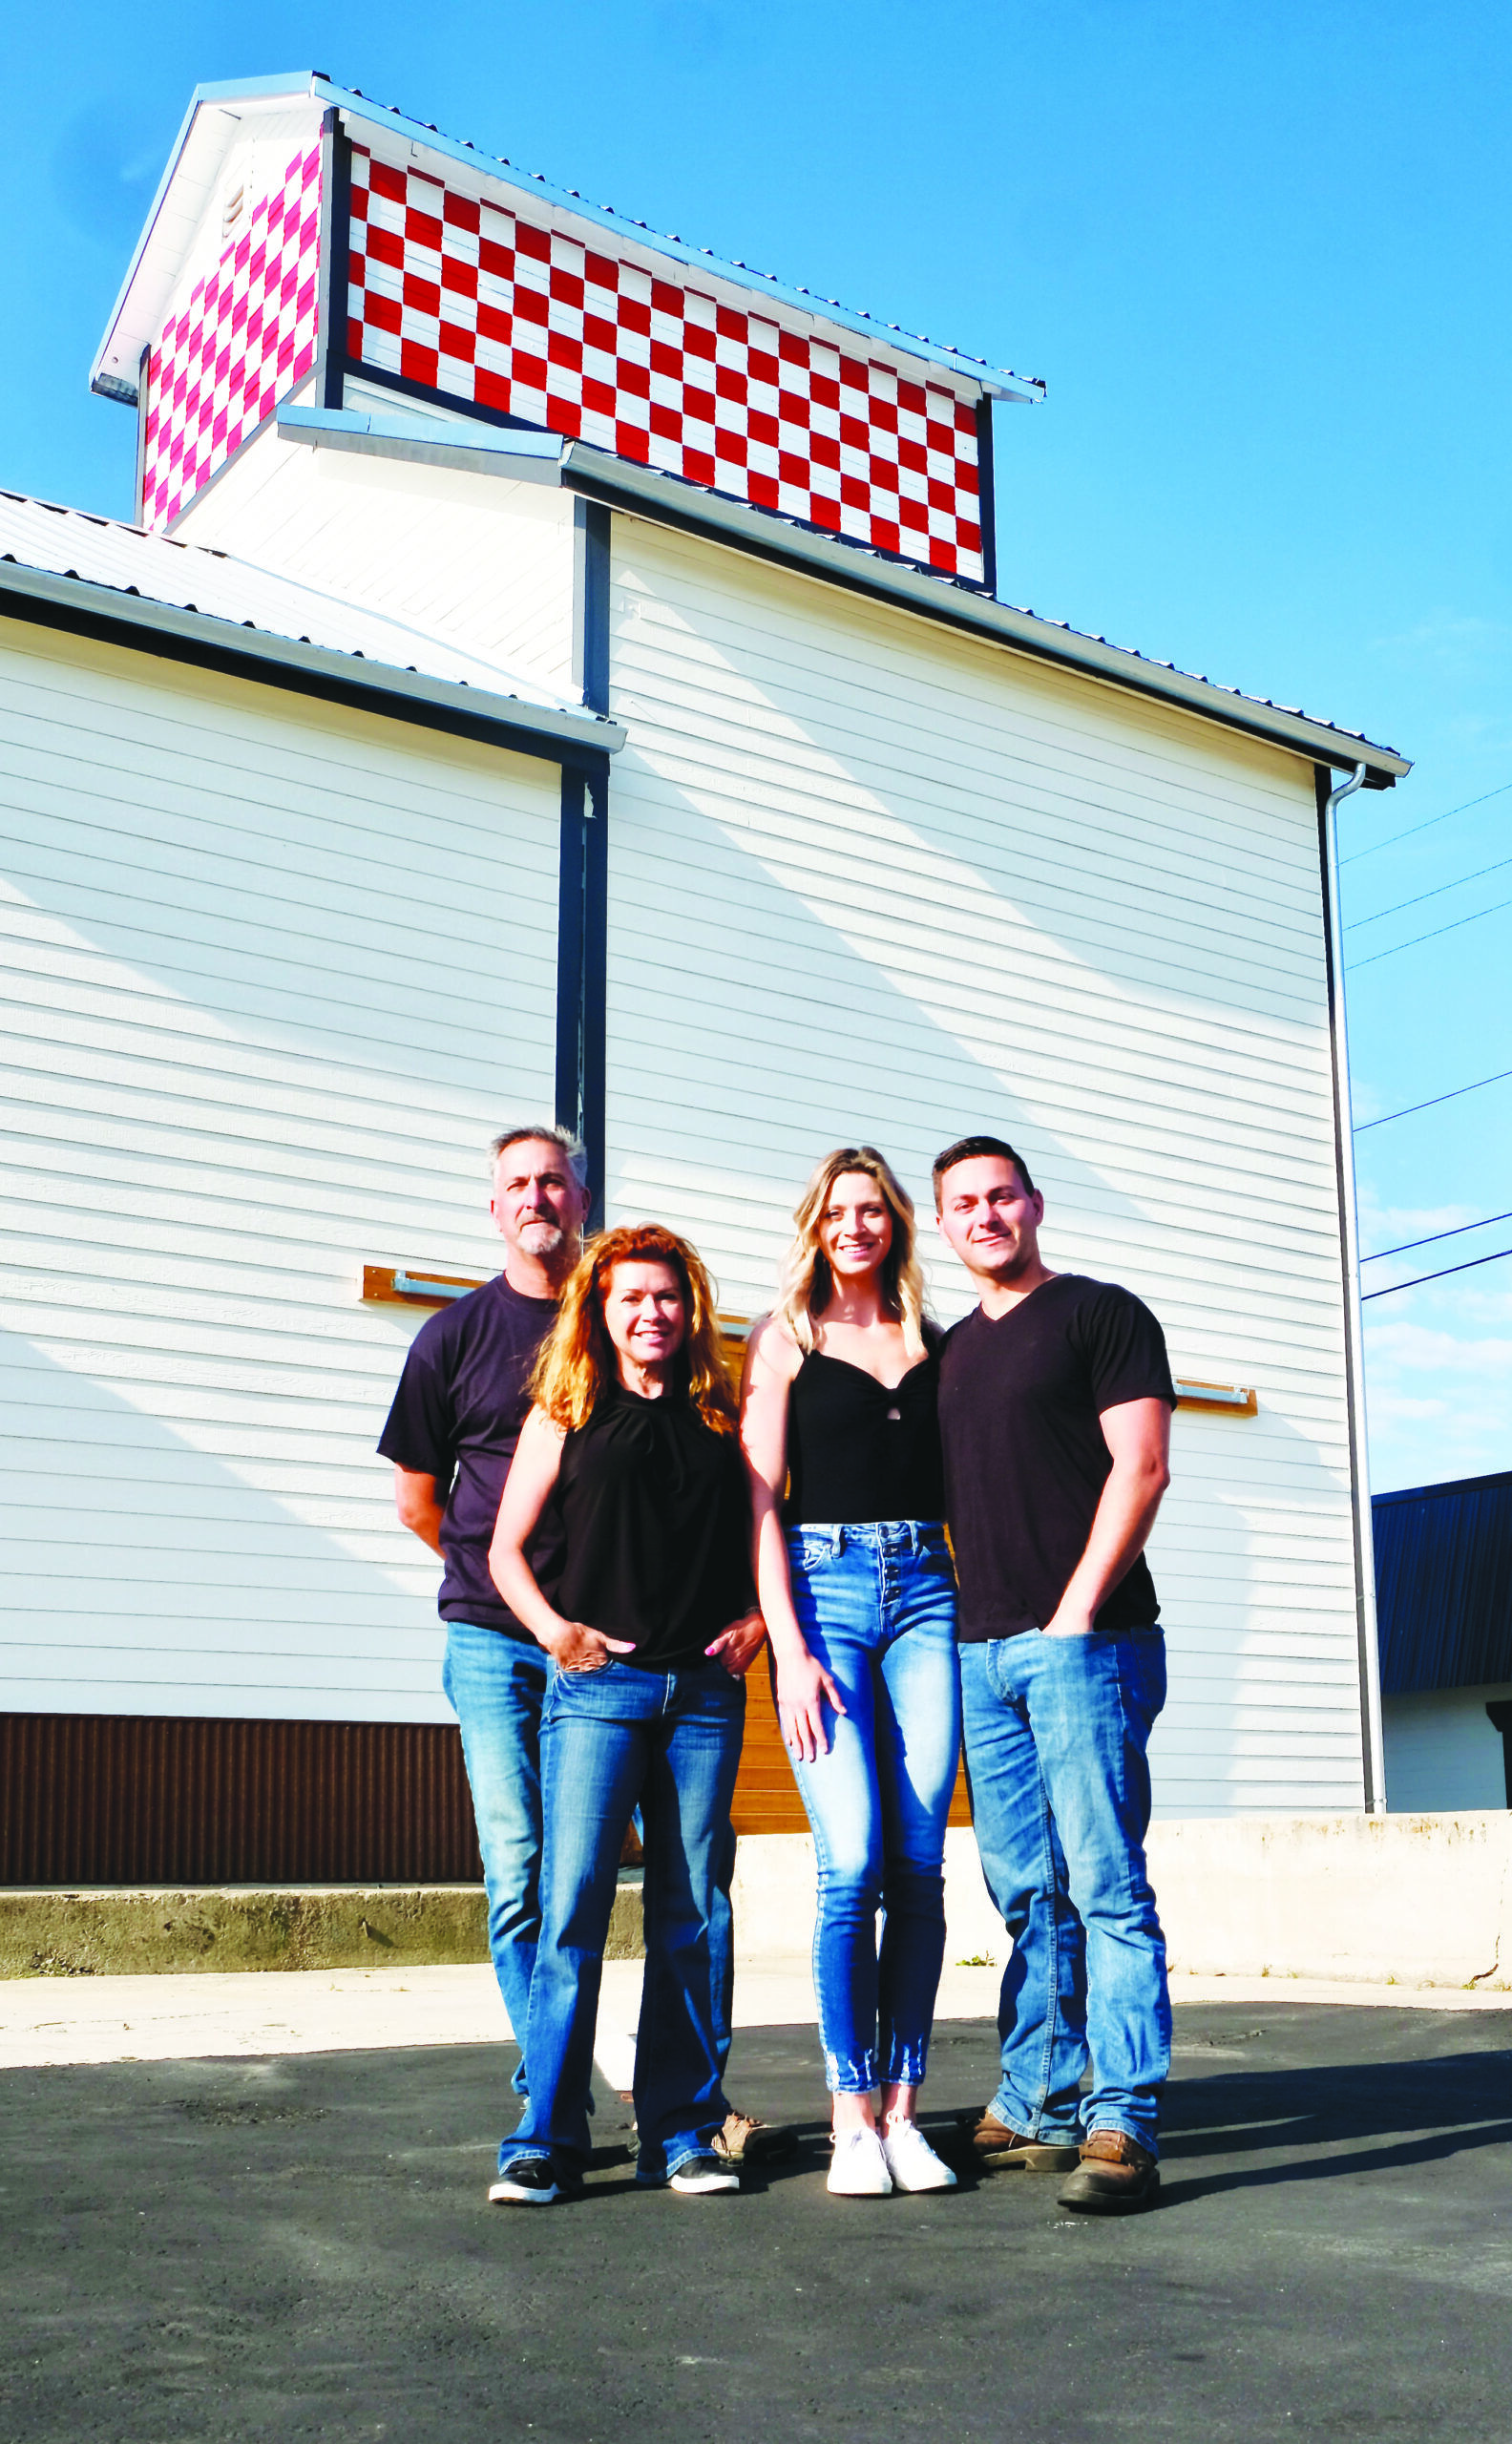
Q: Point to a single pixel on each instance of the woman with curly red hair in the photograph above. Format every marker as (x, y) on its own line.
(630, 1461)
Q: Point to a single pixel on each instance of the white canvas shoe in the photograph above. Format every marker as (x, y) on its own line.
(859, 2169)
(912, 2161)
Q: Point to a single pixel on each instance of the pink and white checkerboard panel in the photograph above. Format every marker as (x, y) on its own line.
(243, 340)
(472, 302)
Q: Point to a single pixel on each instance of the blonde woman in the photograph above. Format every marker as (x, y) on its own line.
(854, 1580)
(630, 1455)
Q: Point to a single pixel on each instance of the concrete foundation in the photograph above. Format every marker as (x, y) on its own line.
(1415, 1901)
(91, 1934)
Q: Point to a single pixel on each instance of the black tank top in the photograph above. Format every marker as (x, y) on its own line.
(653, 1519)
(858, 1451)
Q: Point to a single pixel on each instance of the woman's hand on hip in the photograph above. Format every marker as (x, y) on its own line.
(737, 1646)
(804, 1688)
(580, 1648)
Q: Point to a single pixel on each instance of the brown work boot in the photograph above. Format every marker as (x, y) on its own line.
(747, 2139)
(998, 2149)
(1116, 2176)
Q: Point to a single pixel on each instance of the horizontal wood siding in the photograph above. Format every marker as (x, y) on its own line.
(872, 879)
(272, 976)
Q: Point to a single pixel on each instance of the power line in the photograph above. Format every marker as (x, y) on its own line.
(1492, 911)
(1361, 1126)
(1437, 893)
(1415, 827)
(1458, 1233)
(1446, 1270)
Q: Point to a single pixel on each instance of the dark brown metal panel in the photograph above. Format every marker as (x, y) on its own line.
(133, 1800)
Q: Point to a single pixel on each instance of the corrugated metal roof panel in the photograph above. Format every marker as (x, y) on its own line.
(1443, 1585)
(68, 543)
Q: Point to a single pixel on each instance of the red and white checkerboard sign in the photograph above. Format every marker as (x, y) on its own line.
(471, 301)
(243, 340)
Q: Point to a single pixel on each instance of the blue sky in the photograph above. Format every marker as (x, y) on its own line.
(1259, 256)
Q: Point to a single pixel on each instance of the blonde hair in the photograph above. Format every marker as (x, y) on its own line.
(576, 1363)
(806, 1284)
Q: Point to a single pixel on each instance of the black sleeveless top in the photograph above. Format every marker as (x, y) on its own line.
(653, 1518)
(858, 1451)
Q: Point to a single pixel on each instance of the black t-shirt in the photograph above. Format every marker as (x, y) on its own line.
(858, 1451)
(652, 1525)
(456, 1417)
(1025, 1461)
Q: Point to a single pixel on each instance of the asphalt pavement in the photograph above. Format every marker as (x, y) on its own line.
(301, 2247)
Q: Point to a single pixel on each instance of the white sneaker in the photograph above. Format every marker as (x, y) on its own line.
(912, 2161)
(860, 2167)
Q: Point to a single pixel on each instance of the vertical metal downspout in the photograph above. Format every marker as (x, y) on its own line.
(1373, 1759)
(583, 888)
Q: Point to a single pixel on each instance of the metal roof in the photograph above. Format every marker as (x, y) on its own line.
(1443, 1585)
(201, 142)
(65, 558)
(679, 501)
(456, 440)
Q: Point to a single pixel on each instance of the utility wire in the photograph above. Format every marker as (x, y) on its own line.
(1361, 1126)
(1494, 910)
(1437, 893)
(1458, 1233)
(1414, 827)
(1394, 1286)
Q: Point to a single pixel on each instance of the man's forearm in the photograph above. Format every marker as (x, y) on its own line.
(1121, 1531)
(426, 1522)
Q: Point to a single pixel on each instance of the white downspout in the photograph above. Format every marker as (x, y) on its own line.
(1374, 1756)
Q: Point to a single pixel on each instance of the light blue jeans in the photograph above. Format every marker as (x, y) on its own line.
(496, 1686)
(876, 1605)
(671, 1742)
(1057, 1730)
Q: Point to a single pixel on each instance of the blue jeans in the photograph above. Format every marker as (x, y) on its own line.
(670, 1740)
(496, 1685)
(876, 1604)
(1056, 1736)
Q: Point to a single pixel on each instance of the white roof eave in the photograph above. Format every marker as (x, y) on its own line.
(134, 318)
(356, 674)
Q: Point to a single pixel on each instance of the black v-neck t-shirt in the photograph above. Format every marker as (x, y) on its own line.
(1025, 1461)
(652, 1527)
(456, 1417)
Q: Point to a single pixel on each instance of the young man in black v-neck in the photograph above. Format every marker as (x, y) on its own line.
(1055, 1406)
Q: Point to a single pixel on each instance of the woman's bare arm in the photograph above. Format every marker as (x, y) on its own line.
(773, 1360)
(527, 1489)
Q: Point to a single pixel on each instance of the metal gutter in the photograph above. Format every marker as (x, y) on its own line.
(527, 456)
(318, 669)
(670, 500)
(998, 384)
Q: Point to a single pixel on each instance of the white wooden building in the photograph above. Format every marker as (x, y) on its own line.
(554, 670)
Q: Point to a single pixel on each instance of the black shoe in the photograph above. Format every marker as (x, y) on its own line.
(533, 2181)
(703, 2175)
(1116, 2177)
